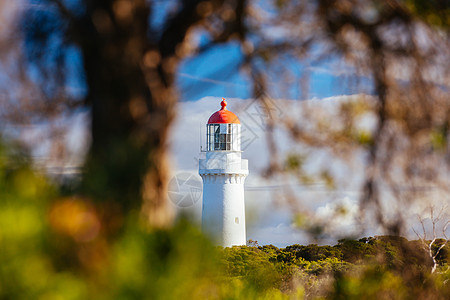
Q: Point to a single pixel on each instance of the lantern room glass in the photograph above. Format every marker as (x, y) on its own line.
(221, 137)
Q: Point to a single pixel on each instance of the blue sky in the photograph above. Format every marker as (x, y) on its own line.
(217, 73)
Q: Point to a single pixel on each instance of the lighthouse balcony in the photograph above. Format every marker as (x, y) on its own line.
(223, 165)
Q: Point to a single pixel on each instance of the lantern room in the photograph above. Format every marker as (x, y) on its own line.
(223, 131)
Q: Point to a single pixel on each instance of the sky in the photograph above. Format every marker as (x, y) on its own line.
(217, 72)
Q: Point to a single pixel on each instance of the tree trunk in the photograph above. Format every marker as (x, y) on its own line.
(126, 162)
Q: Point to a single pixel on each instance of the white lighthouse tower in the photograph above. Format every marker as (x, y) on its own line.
(223, 173)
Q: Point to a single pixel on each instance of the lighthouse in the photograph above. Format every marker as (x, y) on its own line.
(223, 172)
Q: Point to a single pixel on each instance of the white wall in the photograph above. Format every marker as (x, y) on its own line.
(223, 212)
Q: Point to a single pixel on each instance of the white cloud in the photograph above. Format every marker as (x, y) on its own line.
(340, 217)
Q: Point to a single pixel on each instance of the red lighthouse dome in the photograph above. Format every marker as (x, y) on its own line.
(223, 116)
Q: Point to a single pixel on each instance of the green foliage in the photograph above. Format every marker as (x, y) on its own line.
(444, 255)
(355, 251)
(294, 162)
(253, 266)
(23, 233)
(372, 283)
(439, 139)
(433, 12)
(313, 252)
